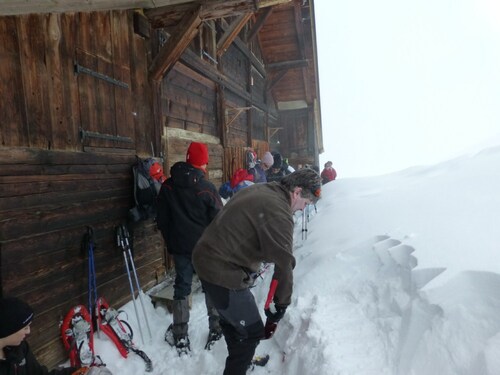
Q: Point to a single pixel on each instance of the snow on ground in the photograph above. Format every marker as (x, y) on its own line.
(399, 275)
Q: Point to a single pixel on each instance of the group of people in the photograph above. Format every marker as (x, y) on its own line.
(224, 245)
(272, 167)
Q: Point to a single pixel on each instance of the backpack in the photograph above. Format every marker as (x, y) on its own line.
(225, 190)
(148, 177)
(251, 158)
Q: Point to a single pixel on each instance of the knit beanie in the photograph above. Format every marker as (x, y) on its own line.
(268, 159)
(278, 161)
(239, 176)
(14, 315)
(197, 154)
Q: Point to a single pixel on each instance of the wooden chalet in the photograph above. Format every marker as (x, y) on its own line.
(87, 85)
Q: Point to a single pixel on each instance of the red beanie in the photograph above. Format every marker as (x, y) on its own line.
(197, 154)
(239, 176)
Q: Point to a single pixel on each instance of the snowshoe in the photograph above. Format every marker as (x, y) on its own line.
(78, 337)
(259, 360)
(110, 323)
(182, 344)
(214, 335)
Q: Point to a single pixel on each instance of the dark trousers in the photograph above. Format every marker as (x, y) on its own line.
(183, 276)
(241, 325)
(182, 289)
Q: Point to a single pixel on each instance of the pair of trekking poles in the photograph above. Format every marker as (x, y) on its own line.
(305, 219)
(123, 242)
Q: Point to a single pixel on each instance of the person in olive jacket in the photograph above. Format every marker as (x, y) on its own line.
(255, 226)
(16, 357)
(187, 203)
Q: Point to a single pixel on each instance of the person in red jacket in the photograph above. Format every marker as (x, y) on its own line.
(328, 174)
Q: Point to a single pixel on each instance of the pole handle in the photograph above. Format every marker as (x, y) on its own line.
(270, 295)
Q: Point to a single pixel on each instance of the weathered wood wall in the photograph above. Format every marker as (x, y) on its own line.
(54, 181)
(298, 136)
(234, 115)
(47, 199)
(176, 143)
(189, 101)
(46, 104)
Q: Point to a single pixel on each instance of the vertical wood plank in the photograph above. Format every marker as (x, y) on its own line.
(146, 130)
(69, 130)
(124, 125)
(104, 91)
(52, 34)
(86, 92)
(14, 124)
(32, 47)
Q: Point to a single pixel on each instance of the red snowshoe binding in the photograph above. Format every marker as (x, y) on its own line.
(110, 323)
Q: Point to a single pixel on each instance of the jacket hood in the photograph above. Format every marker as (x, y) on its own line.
(185, 175)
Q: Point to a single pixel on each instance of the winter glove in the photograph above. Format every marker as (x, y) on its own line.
(272, 320)
(277, 316)
(269, 329)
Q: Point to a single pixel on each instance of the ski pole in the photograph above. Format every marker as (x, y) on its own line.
(92, 283)
(139, 290)
(306, 220)
(304, 225)
(121, 243)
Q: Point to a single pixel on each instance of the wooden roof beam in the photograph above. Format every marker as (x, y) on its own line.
(239, 111)
(300, 38)
(290, 64)
(17, 7)
(243, 47)
(232, 32)
(261, 20)
(180, 38)
(210, 9)
(276, 78)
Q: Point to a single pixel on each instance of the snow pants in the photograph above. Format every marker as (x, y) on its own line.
(241, 325)
(182, 289)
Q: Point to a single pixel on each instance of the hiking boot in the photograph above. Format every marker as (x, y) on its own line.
(214, 335)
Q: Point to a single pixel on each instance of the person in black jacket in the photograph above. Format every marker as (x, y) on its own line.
(277, 171)
(16, 357)
(187, 203)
